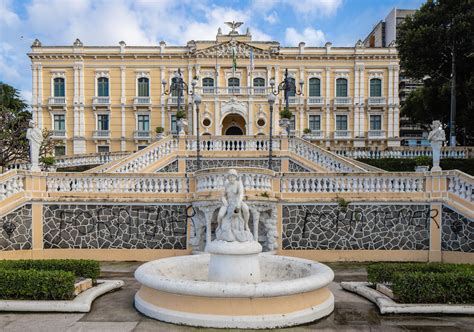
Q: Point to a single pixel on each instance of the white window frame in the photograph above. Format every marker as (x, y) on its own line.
(97, 120)
(376, 74)
(311, 75)
(369, 114)
(98, 145)
(348, 120)
(105, 74)
(65, 150)
(138, 75)
(320, 119)
(136, 120)
(342, 74)
(58, 74)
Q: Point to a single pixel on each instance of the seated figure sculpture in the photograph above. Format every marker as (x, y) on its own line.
(233, 217)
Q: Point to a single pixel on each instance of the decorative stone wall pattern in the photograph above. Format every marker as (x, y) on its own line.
(100, 226)
(295, 167)
(361, 226)
(214, 163)
(457, 231)
(15, 229)
(172, 167)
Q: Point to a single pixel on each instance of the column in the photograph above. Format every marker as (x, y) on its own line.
(390, 121)
(40, 95)
(76, 123)
(396, 101)
(217, 117)
(269, 75)
(327, 97)
(190, 78)
(123, 100)
(34, 91)
(362, 100)
(395, 84)
(301, 98)
(162, 98)
(356, 101)
(390, 85)
(216, 78)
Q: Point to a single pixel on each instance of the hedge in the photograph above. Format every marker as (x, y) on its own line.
(36, 284)
(426, 282)
(79, 267)
(408, 165)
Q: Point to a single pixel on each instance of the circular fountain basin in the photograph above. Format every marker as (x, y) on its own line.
(292, 291)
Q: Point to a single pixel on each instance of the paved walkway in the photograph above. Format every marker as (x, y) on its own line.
(115, 312)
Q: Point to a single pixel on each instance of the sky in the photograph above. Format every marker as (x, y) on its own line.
(146, 22)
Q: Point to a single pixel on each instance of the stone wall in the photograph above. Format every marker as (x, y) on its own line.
(295, 167)
(15, 231)
(191, 164)
(172, 167)
(100, 226)
(457, 232)
(358, 226)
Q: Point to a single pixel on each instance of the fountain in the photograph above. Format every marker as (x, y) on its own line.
(235, 286)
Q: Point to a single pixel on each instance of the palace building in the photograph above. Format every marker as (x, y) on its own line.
(111, 98)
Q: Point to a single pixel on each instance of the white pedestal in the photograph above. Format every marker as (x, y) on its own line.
(234, 261)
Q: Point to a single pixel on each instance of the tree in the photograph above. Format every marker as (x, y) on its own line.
(426, 44)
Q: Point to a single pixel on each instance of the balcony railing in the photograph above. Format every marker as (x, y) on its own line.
(233, 90)
(59, 133)
(142, 134)
(174, 100)
(342, 134)
(376, 101)
(376, 134)
(101, 134)
(142, 101)
(57, 101)
(259, 90)
(208, 90)
(314, 134)
(342, 101)
(295, 100)
(101, 101)
(315, 100)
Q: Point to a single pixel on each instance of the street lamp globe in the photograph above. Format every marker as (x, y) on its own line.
(197, 99)
(271, 99)
(194, 82)
(272, 83)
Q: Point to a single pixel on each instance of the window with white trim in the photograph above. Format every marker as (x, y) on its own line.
(59, 122)
(102, 122)
(341, 87)
(143, 87)
(59, 150)
(314, 122)
(174, 126)
(341, 122)
(59, 87)
(375, 122)
(143, 122)
(314, 87)
(102, 87)
(103, 149)
(376, 87)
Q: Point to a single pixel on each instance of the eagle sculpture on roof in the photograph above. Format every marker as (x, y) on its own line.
(233, 25)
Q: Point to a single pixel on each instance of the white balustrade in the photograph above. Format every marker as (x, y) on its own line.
(401, 152)
(321, 157)
(233, 143)
(57, 101)
(148, 156)
(352, 183)
(213, 180)
(462, 186)
(78, 183)
(11, 183)
(315, 100)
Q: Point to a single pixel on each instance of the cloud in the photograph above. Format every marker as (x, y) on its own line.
(272, 18)
(310, 36)
(315, 7)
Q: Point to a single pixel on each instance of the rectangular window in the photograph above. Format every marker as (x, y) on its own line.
(59, 122)
(293, 123)
(59, 87)
(141, 147)
(103, 122)
(143, 122)
(375, 122)
(315, 122)
(103, 149)
(174, 127)
(341, 122)
(59, 150)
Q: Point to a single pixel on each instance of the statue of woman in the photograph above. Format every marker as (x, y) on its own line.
(233, 217)
(35, 136)
(436, 138)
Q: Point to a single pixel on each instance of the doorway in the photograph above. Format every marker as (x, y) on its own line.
(233, 124)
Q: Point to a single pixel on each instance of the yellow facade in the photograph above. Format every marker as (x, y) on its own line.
(355, 119)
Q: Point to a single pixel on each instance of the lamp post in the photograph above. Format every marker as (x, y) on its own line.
(178, 85)
(271, 102)
(286, 86)
(197, 101)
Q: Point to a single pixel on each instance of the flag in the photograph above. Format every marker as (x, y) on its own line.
(252, 66)
(234, 59)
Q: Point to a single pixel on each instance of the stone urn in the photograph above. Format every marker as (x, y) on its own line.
(182, 123)
(284, 125)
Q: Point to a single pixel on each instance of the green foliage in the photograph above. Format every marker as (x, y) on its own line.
(36, 284)
(286, 114)
(48, 161)
(307, 131)
(265, 194)
(408, 165)
(159, 130)
(80, 267)
(343, 204)
(426, 42)
(426, 282)
(180, 115)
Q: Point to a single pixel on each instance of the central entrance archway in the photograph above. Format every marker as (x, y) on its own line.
(233, 124)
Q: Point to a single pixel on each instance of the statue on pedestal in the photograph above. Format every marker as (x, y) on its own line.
(436, 138)
(35, 136)
(233, 217)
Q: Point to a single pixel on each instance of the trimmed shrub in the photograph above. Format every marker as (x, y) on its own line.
(36, 285)
(79, 267)
(449, 287)
(408, 165)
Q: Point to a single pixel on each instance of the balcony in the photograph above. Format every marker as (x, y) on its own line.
(101, 135)
(173, 101)
(342, 101)
(344, 134)
(259, 90)
(141, 102)
(376, 134)
(314, 134)
(209, 90)
(233, 90)
(101, 102)
(141, 135)
(315, 101)
(57, 102)
(295, 100)
(376, 101)
(58, 134)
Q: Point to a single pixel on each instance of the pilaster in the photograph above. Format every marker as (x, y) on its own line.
(162, 98)
(435, 232)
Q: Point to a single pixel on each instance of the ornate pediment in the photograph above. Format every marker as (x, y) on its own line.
(225, 49)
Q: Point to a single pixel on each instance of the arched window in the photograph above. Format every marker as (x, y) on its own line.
(376, 87)
(292, 90)
(102, 87)
(59, 87)
(259, 85)
(208, 85)
(143, 87)
(174, 86)
(314, 87)
(341, 87)
(233, 83)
